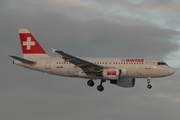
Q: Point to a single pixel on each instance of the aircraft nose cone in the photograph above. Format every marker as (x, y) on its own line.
(171, 71)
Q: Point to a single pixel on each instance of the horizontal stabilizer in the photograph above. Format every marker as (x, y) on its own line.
(23, 60)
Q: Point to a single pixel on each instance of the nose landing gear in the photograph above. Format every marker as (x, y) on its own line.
(149, 86)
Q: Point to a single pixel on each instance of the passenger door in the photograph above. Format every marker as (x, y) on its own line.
(148, 64)
(48, 63)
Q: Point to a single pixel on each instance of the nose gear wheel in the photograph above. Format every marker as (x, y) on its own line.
(149, 86)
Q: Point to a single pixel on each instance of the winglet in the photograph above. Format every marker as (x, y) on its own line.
(53, 50)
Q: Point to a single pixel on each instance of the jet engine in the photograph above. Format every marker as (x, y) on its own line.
(124, 82)
(114, 74)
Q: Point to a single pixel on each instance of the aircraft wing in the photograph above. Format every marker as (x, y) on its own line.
(87, 67)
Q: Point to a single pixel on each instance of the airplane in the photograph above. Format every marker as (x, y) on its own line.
(118, 71)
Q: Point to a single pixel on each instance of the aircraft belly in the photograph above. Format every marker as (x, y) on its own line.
(132, 72)
(142, 73)
(71, 72)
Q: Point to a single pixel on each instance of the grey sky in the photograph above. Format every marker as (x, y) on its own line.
(96, 28)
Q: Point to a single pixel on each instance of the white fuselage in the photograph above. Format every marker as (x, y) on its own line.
(119, 71)
(135, 69)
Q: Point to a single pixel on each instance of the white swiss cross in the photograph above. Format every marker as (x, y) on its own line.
(28, 43)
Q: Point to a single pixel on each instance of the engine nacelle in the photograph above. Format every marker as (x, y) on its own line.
(111, 74)
(114, 74)
(124, 82)
(123, 72)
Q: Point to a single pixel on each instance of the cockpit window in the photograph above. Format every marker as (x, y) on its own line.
(161, 63)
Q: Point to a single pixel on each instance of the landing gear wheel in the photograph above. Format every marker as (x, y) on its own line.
(90, 83)
(149, 86)
(148, 81)
(100, 88)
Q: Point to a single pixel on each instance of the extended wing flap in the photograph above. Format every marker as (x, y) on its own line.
(23, 60)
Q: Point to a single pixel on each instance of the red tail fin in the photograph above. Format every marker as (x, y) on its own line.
(30, 47)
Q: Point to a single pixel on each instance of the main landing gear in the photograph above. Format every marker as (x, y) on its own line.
(99, 87)
(149, 86)
(90, 83)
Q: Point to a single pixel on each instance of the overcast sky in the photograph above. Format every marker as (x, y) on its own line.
(90, 28)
